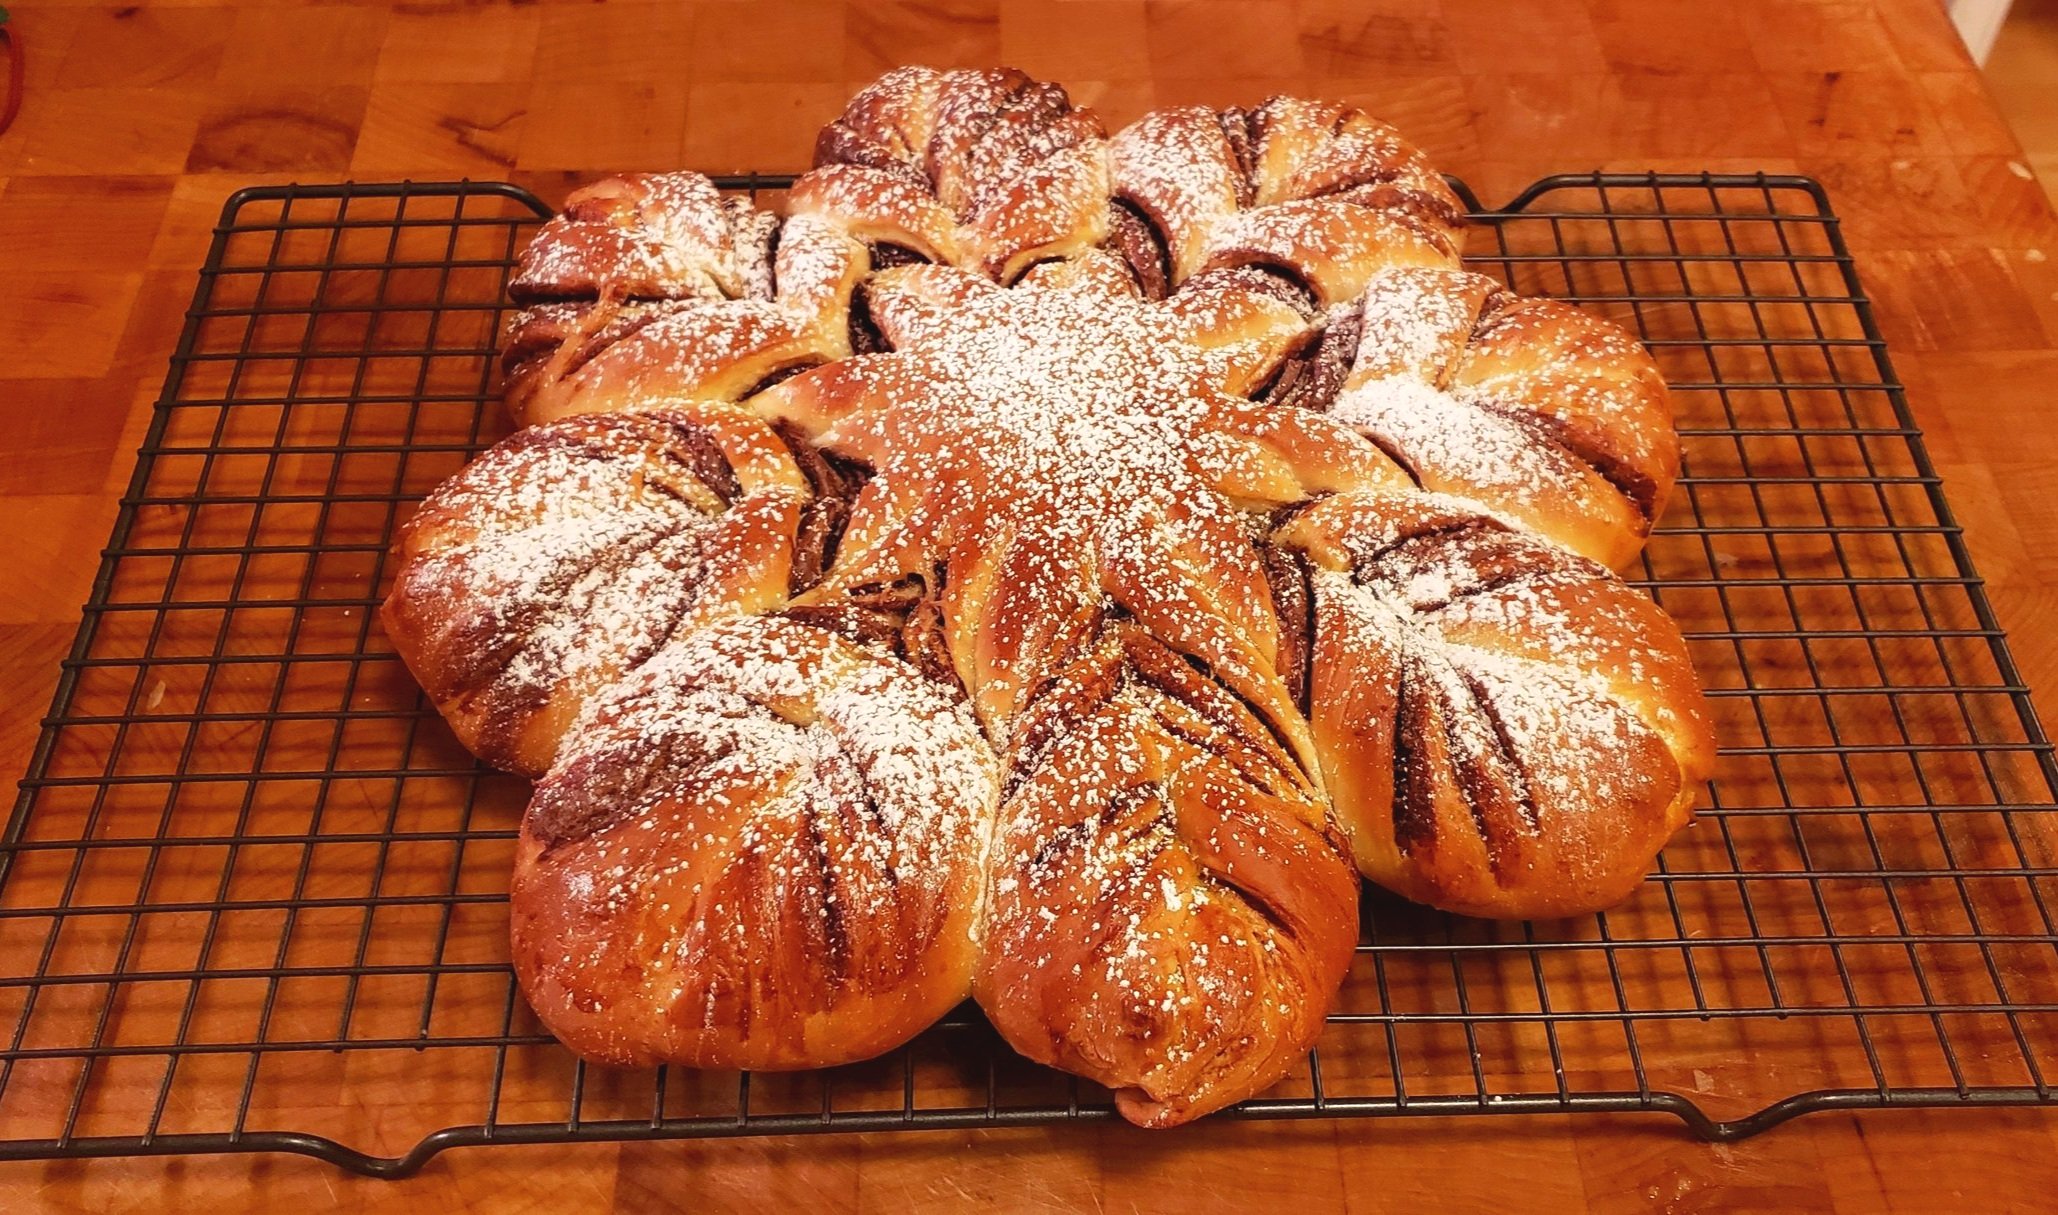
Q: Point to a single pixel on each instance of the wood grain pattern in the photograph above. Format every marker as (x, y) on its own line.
(140, 119)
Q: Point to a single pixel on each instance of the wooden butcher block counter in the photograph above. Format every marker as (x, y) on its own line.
(140, 120)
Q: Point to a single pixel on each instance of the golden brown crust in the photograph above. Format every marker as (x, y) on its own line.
(990, 171)
(1112, 470)
(1545, 414)
(719, 298)
(766, 850)
(647, 236)
(1505, 728)
(1320, 190)
(562, 558)
(1170, 912)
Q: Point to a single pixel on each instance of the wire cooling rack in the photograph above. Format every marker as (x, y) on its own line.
(252, 895)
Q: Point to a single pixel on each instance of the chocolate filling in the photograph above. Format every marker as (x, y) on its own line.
(1488, 566)
(865, 336)
(1429, 213)
(1315, 379)
(610, 438)
(1278, 282)
(1056, 705)
(1283, 515)
(850, 621)
(1366, 568)
(1414, 805)
(923, 643)
(1590, 448)
(1114, 819)
(1033, 121)
(1392, 451)
(839, 144)
(900, 617)
(1237, 128)
(1525, 802)
(539, 334)
(828, 476)
(835, 934)
(603, 786)
(533, 337)
(1134, 239)
(1027, 270)
(695, 449)
(488, 641)
(524, 292)
(1287, 574)
(776, 378)
(814, 542)
(886, 254)
(1264, 908)
(1488, 780)
(1189, 680)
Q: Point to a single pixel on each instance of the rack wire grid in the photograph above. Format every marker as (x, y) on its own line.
(252, 897)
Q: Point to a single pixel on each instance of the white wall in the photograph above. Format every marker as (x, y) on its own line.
(1979, 23)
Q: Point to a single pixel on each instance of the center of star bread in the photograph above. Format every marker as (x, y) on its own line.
(1092, 404)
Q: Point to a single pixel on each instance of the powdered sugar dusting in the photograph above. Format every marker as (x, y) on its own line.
(563, 558)
(665, 235)
(1312, 186)
(1177, 166)
(1074, 487)
(1415, 328)
(1541, 705)
(799, 725)
(989, 170)
(1451, 445)
(1095, 463)
(1533, 409)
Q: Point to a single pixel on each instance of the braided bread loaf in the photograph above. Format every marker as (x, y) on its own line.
(765, 850)
(653, 289)
(567, 555)
(1554, 418)
(986, 170)
(1505, 729)
(1317, 190)
(1011, 576)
